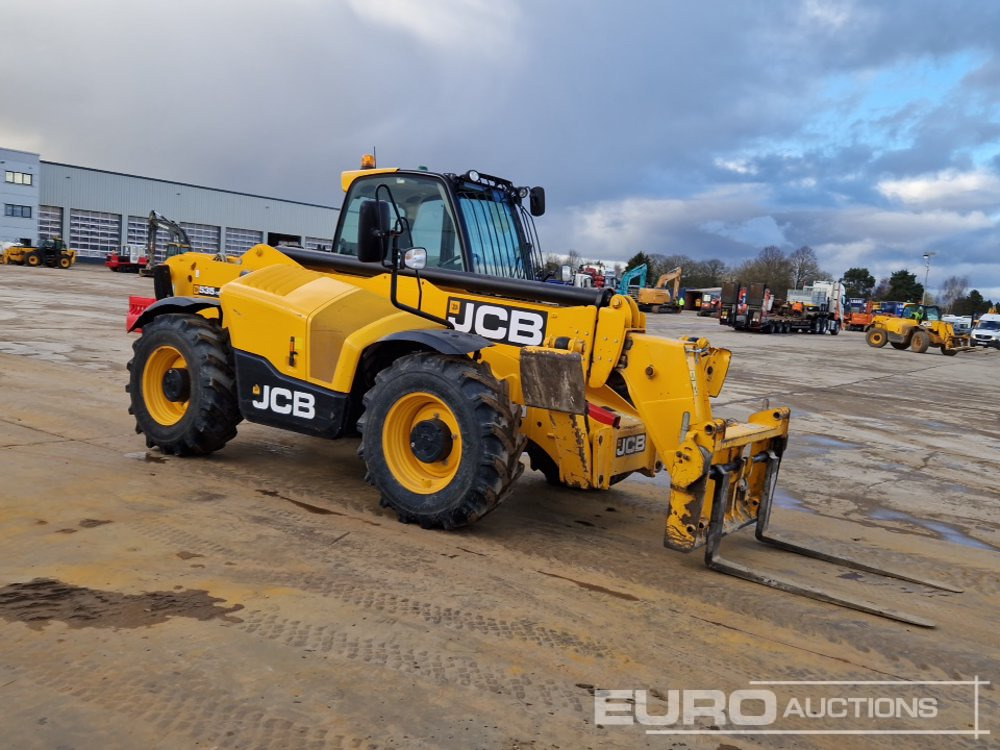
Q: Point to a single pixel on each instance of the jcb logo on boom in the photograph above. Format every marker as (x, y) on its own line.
(509, 325)
(628, 445)
(284, 401)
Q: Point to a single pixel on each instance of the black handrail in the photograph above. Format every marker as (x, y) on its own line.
(532, 291)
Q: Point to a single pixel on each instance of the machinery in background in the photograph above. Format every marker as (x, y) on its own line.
(657, 299)
(52, 253)
(817, 308)
(919, 328)
(710, 304)
(859, 313)
(128, 259)
(135, 259)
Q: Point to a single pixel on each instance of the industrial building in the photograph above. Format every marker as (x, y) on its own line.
(96, 211)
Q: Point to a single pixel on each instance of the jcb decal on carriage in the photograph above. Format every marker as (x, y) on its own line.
(632, 444)
(510, 325)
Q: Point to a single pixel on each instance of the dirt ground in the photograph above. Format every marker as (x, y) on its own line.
(260, 598)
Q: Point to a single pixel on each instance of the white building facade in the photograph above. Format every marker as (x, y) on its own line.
(19, 195)
(95, 211)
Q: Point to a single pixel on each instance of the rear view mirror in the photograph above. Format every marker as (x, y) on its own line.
(373, 229)
(537, 201)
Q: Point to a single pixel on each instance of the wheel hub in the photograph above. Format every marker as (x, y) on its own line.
(431, 441)
(177, 385)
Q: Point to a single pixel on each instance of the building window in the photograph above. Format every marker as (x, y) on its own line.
(20, 212)
(18, 178)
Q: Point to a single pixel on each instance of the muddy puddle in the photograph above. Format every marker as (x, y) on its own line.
(939, 529)
(42, 600)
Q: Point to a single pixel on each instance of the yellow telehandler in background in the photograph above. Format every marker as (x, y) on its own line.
(52, 253)
(426, 332)
(919, 328)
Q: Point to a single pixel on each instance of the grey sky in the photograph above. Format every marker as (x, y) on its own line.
(870, 131)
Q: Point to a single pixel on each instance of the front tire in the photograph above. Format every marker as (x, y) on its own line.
(183, 386)
(440, 440)
(920, 341)
(876, 337)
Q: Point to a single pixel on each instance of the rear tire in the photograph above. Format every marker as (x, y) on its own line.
(33, 259)
(920, 341)
(183, 386)
(876, 337)
(440, 440)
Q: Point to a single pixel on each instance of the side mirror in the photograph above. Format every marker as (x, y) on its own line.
(537, 201)
(373, 229)
(415, 258)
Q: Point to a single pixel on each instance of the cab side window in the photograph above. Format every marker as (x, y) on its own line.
(423, 206)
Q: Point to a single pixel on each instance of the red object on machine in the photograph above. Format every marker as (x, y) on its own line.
(136, 307)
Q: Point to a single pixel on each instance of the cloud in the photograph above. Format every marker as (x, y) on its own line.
(453, 27)
(946, 189)
(705, 129)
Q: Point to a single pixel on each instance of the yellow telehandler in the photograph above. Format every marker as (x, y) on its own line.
(919, 328)
(426, 332)
(52, 253)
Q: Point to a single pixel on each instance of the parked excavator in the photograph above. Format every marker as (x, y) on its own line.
(177, 244)
(657, 299)
(430, 337)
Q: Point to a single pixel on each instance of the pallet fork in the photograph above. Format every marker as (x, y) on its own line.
(722, 475)
(723, 479)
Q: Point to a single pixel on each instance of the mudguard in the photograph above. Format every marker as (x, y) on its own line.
(444, 341)
(174, 305)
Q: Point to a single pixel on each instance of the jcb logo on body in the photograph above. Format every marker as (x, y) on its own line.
(285, 401)
(628, 445)
(510, 325)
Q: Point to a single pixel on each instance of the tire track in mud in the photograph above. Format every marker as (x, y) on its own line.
(186, 702)
(767, 614)
(613, 557)
(757, 614)
(358, 585)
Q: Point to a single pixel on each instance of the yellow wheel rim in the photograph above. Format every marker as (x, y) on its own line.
(34, 260)
(878, 337)
(162, 409)
(412, 473)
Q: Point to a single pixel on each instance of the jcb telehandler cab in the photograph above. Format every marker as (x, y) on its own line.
(427, 334)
